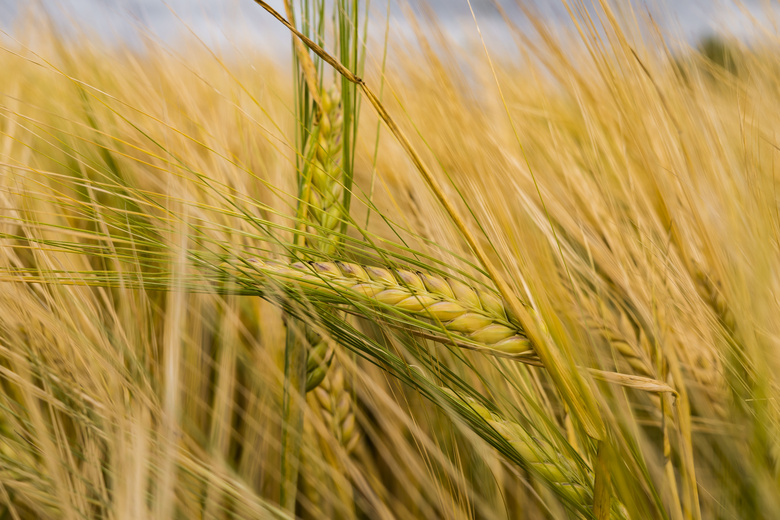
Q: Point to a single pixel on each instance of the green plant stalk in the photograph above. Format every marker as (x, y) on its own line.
(294, 393)
(292, 425)
(324, 182)
(601, 487)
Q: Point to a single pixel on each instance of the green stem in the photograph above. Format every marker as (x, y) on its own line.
(292, 423)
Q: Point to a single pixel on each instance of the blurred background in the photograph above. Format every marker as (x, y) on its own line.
(638, 217)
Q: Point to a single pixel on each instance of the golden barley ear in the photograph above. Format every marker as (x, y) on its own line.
(474, 318)
(337, 409)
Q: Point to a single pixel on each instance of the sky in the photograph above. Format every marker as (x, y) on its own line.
(228, 22)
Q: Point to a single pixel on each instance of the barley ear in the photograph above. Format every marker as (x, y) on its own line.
(320, 356)
(474, 319)
(541, 458)
(323, 208)
(336, 409)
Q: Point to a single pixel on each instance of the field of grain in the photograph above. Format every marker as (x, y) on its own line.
(408, 279)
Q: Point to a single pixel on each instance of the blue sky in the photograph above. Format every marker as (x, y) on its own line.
(238, 21)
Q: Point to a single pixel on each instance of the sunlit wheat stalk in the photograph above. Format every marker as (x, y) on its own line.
(322, 210)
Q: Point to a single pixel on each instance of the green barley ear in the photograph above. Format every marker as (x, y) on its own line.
(322, 211)
(326, 146)
(320, 356)
(568, 477)
(323, 195)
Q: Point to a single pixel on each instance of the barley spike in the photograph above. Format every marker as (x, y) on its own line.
(475, 318)
(541, 458)
(322, 199)
(336, 409)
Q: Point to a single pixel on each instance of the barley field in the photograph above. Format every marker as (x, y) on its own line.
(391, 275)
